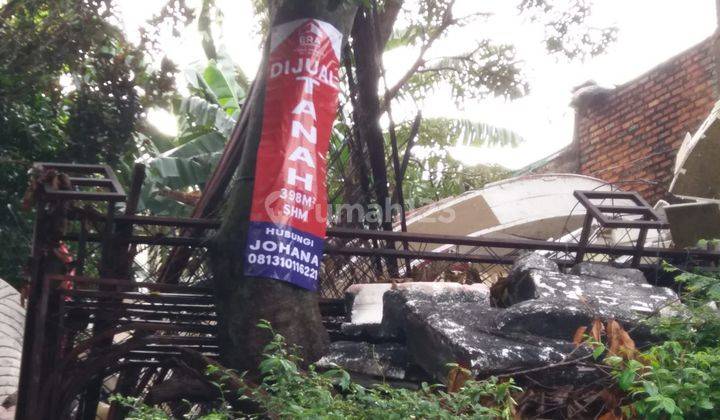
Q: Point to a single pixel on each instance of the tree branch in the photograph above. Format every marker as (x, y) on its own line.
(392, 92)
(414, 130)
(386, 21)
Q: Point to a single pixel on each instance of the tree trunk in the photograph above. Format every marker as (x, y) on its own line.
(242, 301)
(367, 112)
(369, 39)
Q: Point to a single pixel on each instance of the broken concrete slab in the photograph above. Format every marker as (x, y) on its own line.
(608, 272)
(533, 261)
(386, 360)
(559, 318)
(365, 301)
(594, 292)
(365, 304)
(394, 301)
(444, 328)
(519, 286)
(463, 333)
(443, 323)
(611, 291)
(362, 332)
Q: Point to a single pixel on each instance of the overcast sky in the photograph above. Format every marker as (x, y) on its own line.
(650, 31)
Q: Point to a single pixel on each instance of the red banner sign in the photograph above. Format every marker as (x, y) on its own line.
(289, 207)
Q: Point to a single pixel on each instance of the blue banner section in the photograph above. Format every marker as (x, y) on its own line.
(283, 253)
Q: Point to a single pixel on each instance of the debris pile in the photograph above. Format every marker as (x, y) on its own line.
(412, 331)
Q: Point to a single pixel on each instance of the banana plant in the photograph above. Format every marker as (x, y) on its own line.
(178, 167)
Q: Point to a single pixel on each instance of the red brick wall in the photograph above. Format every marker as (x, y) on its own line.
(634, 131)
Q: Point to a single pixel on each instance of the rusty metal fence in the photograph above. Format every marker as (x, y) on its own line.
(96, 310)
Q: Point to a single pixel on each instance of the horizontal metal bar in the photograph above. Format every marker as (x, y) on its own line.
(159, 307)
(627, 210)
(132, 284)
(179, 222)
(135, 364)
(83, 195)
(145, 314)
(75, 167)
(152, 354)
(346, 233)
(181, 340)
(526, 244)
(633, 224)
(188, 346)
(146, 240)
(169, 241)
(420, 255)
(92, 294)
(189, 327)
(92, 182)
(602, 195)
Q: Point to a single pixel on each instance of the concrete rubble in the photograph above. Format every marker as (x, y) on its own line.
(425, 326)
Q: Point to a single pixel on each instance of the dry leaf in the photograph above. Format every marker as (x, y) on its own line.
(457, 377)
(610, 415)
(613, 333)
(620, 342)
(188, 198)
(597, 329)
(612, 402)
(578, 337)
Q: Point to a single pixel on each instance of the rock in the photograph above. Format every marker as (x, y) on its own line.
(604, 271)
(599, 293)
(518, 286)
(387, 360)
(361, 332)
(533, 261)
(444, 328)
(443, 323)
(446, 335)
(606, 286)
(394, 301)
(561, 303)
(559, 318)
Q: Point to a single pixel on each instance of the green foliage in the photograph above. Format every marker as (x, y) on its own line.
(138, 410)
(489, 69)
(205, 120)
(697, 324)
(567, 31)
(433, 174)
(72, 89)
(286, 391)
(679, 382)
(679, 378)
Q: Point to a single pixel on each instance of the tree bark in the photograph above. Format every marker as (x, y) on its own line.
(243, 301)
(367, 112)
(369, 38)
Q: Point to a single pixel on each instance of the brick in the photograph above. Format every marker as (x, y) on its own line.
(649, 117)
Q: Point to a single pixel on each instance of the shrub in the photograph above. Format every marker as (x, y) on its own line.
(286, 391)
(679, 378)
